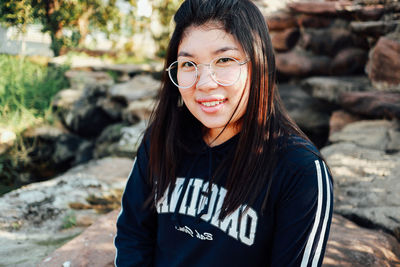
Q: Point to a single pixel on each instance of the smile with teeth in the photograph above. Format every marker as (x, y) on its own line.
(212, 103)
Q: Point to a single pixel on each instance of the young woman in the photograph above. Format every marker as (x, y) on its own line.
(223, 177)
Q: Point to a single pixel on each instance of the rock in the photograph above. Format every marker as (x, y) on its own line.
(299, 63)
(339, 119)
(37, 218)
(138, 110)
(320, 8)
(94, 247)
(326, 42)
(310, 114)
(374, 134)
(120, 140)
(366, 183)
(374, 28)
(351, 245)
(343, 248)
(338, 8)
(285, 40)
(329, 88)
(310, 21)
(383, 67)
(281, 21)
(7, 140)
(45, 132)
(113, 108)
(132, 69)
(349, 61)
(65, 99)
(79, 62)
(372, 104)
(79, 79)
(66, 148)
(86, 120)
(140, 87)
(51, 150)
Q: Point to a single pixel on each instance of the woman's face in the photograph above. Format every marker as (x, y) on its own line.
(210, 102)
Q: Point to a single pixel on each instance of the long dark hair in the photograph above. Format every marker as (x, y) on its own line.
(265, 118)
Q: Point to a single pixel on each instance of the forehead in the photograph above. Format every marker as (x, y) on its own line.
(207, 39)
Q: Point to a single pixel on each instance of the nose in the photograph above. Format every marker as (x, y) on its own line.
(204, 79)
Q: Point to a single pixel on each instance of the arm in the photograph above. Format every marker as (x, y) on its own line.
(303, 218)
(136, 226)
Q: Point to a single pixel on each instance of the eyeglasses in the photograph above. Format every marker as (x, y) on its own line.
(224, 71)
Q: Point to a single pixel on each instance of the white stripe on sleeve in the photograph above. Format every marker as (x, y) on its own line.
(317, 219)
(326, 216)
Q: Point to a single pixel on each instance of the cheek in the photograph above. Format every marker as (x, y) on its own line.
(186, 94)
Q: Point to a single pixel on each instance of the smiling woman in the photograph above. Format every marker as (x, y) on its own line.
(223, 177)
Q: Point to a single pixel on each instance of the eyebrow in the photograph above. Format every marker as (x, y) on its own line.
(216, 52)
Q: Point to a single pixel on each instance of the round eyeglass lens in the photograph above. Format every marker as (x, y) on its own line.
(226, 70)
(183, 73)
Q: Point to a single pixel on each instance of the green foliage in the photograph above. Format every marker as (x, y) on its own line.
(55, 15)
(26, 89)
(16, 12)
(164, 9)
(69, 220)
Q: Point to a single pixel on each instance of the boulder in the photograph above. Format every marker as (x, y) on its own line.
(120, 140)
(79, 79)
(329, 88)
(320, 8)
(374, 28)
(138, 110)
(79, 62)
(310, 114)
(52, 150)
(94, 247)
(373, 104)
(140, 87)
(312, 21)
(349, 61)
(299, 63)
(338, 8)
(7, 140)
(281, 21)
(286, 39)
(349, 245)
(380, 135)
(365, 162)
(326, 42)
(80, 112)
(38, 218)
(339, 119)
(383, 66)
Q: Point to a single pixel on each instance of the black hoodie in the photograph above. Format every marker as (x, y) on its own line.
(184, 229)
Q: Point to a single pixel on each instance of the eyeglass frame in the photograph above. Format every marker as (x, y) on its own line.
(209, 66)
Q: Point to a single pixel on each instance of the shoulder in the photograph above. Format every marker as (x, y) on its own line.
(297, 152)
(301, 165)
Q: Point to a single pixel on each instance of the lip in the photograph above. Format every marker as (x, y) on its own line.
(211, 109)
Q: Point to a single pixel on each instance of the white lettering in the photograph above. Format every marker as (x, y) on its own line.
(204, 200)
(196, 189)
(175, 194)
(215, 221)
(250, 216)
(230, 224)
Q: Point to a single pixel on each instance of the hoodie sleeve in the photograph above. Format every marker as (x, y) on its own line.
(303, 218)
(136, 225)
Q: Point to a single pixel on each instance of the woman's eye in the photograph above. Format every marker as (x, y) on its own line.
(225, 61)
(187, 65)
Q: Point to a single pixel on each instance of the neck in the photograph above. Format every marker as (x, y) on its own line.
(217, 136)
